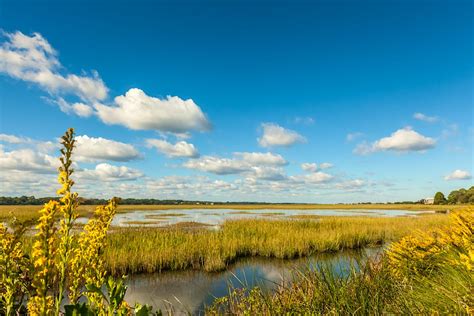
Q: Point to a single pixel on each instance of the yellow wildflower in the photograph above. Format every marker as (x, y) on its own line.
(43, 255)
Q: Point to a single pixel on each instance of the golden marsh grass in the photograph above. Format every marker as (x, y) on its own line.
(143, 249)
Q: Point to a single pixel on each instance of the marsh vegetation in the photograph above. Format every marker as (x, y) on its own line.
(427, 268)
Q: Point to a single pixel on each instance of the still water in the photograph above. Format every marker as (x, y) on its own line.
(190, 291)
(215, 217)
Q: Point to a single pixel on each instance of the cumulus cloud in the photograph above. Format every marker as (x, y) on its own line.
(259, 164)
(32, 59)
(138, 111)
(217, 165)
(12, 139)
(106, 172)
(180, 149)
(17, 183)
(313, 177)
(458, 175)
(275, 135)
(28, 160)
(309, 166)
(268, 173)
(425, 118)
(91, 149)
(262, 158)
(78, 108)
(313, 167)
(402, 140)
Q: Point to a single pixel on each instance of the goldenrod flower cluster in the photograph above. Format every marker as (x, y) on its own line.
(69, 203)
(423, 252)
(87, 266)
(43, 256)
(60, 258)
(13, 268)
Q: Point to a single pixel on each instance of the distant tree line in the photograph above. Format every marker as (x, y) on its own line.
(461, 196)
(31, 200)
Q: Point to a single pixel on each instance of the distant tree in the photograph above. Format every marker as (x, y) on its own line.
(439, 198)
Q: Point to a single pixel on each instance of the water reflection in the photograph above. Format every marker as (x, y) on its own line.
(215, 217)
(191, 291)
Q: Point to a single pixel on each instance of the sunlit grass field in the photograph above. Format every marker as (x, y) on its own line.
(427, 272)
(137, 250)
(150, 249)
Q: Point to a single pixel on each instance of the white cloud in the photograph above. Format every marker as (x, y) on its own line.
(78, 108)
(268, 173)
(402, 140)
(217, 165)
(106, 172)
(28, 160)
(309, 166)
(425, 118)
(275, 135)
(12, 139)
(138, 111)
(313, 167)
(259, 164)
(313, 177)
(91, 149)
(351, 184)
(180, 149)
(458, 175)
(17, 183)
(32, 59)
(269, 159)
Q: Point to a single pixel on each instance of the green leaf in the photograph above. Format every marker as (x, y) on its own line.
(79, 309)
(142, 310)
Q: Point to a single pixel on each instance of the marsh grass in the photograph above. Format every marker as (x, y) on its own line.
(146, 249)
(438, 280)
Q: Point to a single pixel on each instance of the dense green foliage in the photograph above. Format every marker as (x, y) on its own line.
(461, 196)
(439, 198)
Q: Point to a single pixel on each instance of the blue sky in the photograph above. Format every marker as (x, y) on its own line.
(329, 101)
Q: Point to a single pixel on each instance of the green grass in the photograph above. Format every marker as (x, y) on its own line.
(439, 280)
(372, 290)
(143, 249)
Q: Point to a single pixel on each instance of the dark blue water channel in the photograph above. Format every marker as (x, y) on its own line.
(188, 292)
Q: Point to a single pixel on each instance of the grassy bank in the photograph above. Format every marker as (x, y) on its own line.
(29, 213)
(428, 272)
(136, 250)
